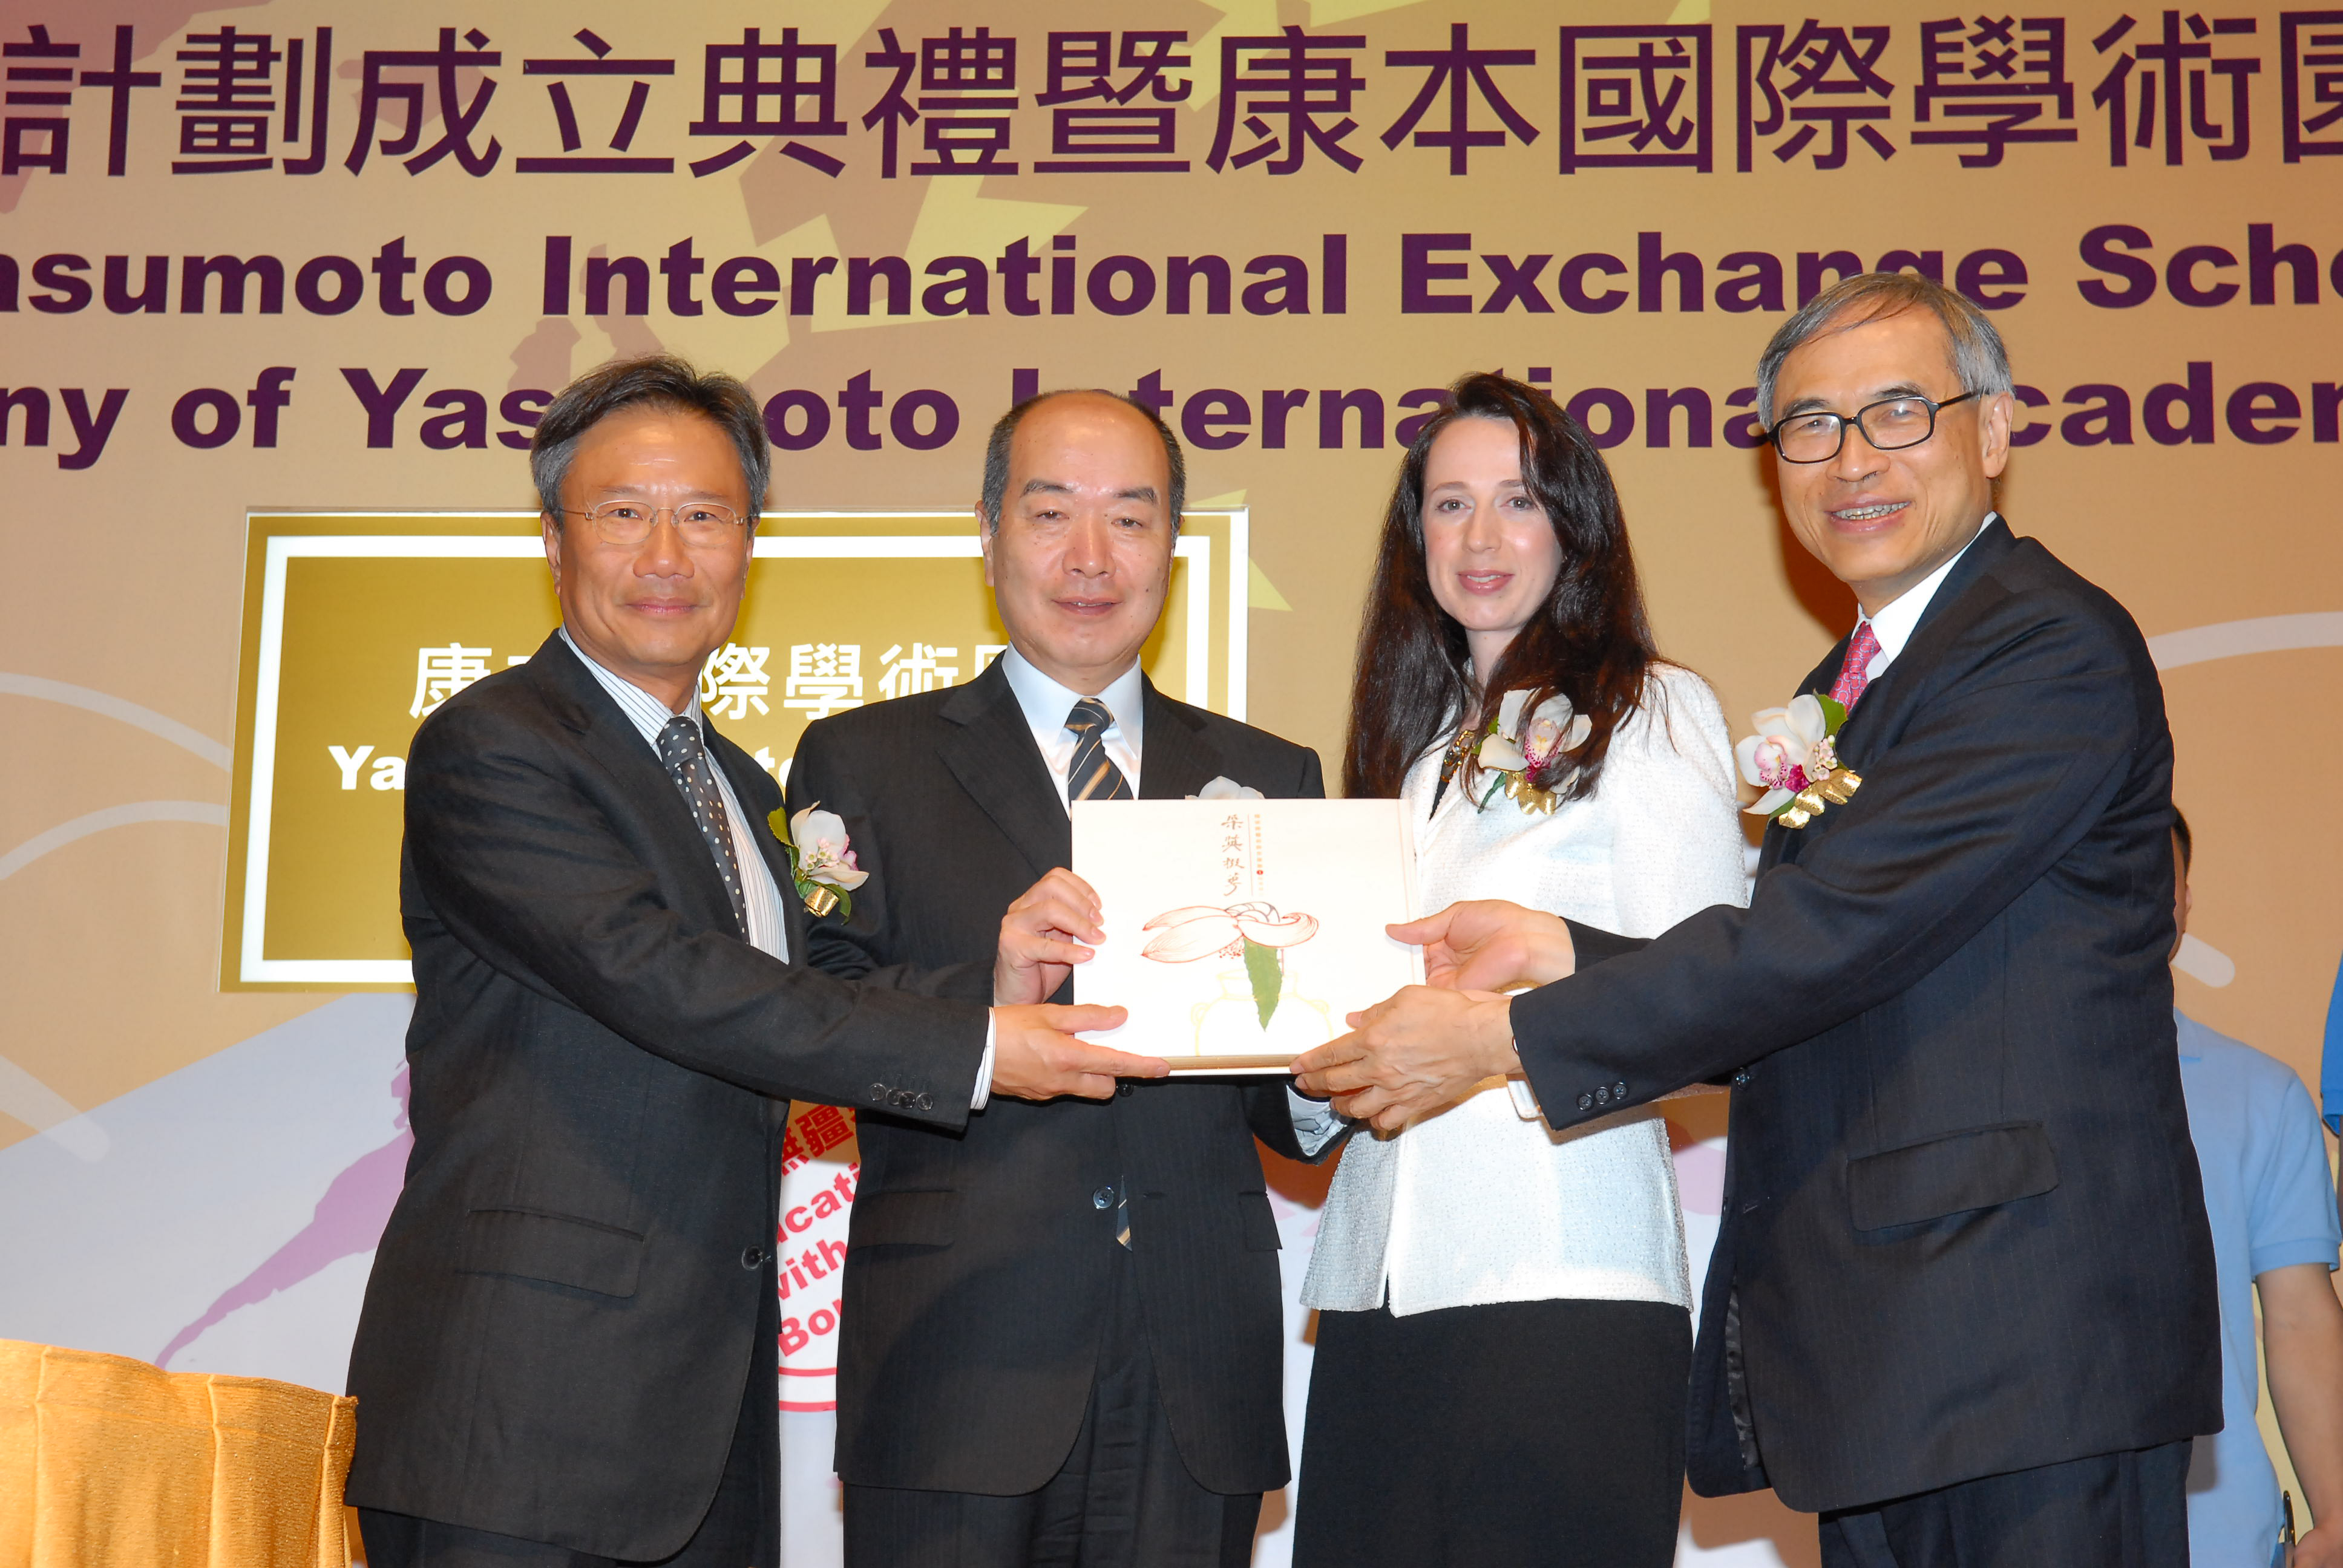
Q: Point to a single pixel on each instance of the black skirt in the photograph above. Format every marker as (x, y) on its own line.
(1525, 1432)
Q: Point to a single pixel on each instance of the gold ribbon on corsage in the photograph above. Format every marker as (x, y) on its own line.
(1807, 803)
(1531, 800)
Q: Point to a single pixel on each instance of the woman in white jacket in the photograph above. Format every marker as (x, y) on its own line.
(1504, 1331)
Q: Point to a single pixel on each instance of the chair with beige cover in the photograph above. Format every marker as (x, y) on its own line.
(110, 1463)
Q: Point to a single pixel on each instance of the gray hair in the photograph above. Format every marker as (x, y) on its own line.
(1978, 357)
(651, 381)
(1004, 431)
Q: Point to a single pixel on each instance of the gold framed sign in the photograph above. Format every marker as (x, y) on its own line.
(357, 625)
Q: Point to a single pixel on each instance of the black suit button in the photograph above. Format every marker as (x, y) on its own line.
(1103, 1199)
(752, 1256)
(1122, 1089)
(877, 1094)
(1619, 1089)
(1602, 1095)
(925, 1102)
(1586, 1102)
(1741, 1079)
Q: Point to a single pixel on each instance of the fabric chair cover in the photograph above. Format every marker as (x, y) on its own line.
(111, 1462)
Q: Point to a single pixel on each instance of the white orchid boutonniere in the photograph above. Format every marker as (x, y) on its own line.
(1794, 757)
(1224, 788)
(1513, 754)
(820, 860)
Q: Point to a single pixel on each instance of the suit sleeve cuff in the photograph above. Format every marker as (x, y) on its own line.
(976, 1101)
(1316, 1122)
(1593, 945)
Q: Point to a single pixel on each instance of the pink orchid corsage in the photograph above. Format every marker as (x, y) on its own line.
(1794, 759)
(1512, 755)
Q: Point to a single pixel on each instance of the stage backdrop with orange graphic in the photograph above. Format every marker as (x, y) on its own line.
(283, 287)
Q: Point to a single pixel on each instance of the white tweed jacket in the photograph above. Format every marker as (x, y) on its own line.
(1475, 1205)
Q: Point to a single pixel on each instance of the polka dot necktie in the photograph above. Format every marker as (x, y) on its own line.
(685, 756)
(1855, 675)
(1092, 775)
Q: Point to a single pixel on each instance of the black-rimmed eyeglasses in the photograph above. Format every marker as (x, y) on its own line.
(1889, 424)
(630, 522)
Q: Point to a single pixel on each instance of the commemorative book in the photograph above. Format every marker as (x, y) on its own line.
(1241, 932)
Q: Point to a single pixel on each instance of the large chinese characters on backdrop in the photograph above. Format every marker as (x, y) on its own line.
(1632, 94)
(959, 108)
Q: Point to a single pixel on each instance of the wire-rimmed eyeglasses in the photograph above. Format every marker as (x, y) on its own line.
(1889, 424)
(628, 522)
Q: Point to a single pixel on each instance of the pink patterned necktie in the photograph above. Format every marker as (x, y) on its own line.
(1856, 673)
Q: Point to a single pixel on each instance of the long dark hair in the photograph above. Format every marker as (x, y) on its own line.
(1589, 642)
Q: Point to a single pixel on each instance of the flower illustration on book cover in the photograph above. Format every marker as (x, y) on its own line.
(1254, 932)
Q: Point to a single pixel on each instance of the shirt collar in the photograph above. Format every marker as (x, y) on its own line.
(646, 713)
(1046, 703)
(1894, 624)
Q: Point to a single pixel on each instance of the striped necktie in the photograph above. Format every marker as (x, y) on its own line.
(685, 753)
(1092, 775)
(1855, 671)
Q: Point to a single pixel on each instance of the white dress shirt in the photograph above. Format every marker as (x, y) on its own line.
(1894, 624)
(1475, 1205)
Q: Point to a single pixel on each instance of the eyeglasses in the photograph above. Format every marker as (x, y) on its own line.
(1890, 425)
(701, 523)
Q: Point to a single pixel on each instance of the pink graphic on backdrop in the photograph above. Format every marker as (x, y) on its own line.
(820, 1164)
(349, 1221)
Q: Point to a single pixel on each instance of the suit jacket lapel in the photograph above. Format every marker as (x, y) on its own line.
(1905, 682)
(1175, 760)
(576, 698)
(989, 747)
(1901, 683)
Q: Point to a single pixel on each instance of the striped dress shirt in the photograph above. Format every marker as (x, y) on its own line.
(767, 932)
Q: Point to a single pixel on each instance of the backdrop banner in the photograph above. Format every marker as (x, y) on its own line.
(284, 287)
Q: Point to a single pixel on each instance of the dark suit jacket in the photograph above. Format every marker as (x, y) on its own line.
(980, 1264)
(1963, 1229)
(577, 1285)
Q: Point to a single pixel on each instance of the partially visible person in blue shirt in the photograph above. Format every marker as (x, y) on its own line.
(2272, 1203)
(2330, 1062)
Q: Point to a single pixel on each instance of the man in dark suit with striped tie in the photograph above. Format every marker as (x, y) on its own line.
(1063, 1326)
